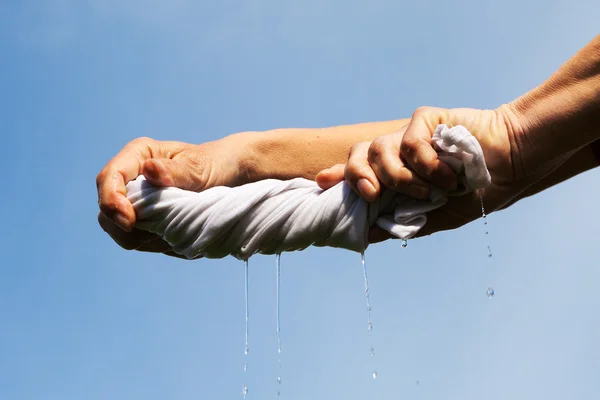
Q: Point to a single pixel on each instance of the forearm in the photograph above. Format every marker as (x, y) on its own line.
(297, 152)
(583, 160)
(563, 114)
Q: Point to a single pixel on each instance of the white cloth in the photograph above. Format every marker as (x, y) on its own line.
(272, 216)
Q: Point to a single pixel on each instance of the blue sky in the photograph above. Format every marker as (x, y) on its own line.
(84, 319)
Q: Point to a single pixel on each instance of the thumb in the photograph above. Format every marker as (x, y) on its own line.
(170, 172)
(330, 177)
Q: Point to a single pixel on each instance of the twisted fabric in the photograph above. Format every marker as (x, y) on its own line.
(273, 216)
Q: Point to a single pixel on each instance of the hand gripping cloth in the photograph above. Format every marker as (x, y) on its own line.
(273, 216)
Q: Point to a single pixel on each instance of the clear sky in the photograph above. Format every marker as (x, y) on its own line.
(83, 319)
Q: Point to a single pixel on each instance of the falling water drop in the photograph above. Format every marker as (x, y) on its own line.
(278, 273)
(485, 222)
(246, 348)
(369, 323)
(404, 243)
(489, 291)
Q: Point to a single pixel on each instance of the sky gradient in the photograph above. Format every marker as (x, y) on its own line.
(84, 319)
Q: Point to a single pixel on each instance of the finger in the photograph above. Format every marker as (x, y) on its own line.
(158, 245)
(359, 174)
(376, 235)
(384, 159)
(181, 172)
(331, 176)
(458, 211)
(418, 152)
(111, 181)
(128, 240)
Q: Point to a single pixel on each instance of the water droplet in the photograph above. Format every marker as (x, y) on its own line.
(370, 325)
(404, 243)
(485, 222)
(246, 348)
(278, 268)
(489, 292)
(418, 383)
(489, 251)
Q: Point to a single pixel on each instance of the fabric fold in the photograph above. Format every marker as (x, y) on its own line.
(273, 216)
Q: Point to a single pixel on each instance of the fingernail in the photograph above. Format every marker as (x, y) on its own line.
(366, 188)
(123, 222)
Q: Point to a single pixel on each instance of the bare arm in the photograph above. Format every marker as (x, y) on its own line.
(580, 162)
(303, 152)
(562, 114)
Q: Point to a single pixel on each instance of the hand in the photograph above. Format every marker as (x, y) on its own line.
(163, 163)
(406, 161)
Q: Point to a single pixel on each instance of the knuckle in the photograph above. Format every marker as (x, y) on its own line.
(100, 178)
(108, 208)
(142, 140)
(410, 145)
(397, 180)
(377, 148)
(358, 148)
(353, 170)
(422, 110)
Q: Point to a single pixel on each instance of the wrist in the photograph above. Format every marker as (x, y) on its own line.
(244, 148)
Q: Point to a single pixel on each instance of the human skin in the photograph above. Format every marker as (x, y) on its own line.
(234, 160)
(517, 140)
(531, 143)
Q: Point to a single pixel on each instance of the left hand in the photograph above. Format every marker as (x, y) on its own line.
(163, 163)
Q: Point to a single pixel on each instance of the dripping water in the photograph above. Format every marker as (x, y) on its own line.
(278, 267)
(485, 222)
(404, 243)
(490, 291)
(246, 348)
(369, 323)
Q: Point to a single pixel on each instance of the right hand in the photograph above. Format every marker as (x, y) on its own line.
(406, 162)
(163, 163)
